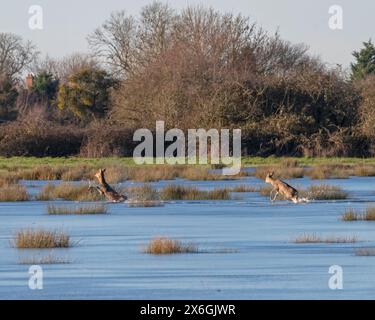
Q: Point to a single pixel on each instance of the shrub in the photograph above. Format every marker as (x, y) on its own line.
(40, 138)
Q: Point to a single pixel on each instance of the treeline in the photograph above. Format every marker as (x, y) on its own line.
(197, 68)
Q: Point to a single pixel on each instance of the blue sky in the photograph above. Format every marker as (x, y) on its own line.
(67, 23)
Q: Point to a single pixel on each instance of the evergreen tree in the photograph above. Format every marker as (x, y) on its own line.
(365, 61)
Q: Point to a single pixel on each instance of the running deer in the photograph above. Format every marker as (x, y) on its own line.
(283, 188)
(105, 189)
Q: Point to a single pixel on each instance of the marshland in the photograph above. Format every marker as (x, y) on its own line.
(187, 232)
(73, 201)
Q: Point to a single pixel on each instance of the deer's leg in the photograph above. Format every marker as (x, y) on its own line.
(271, 195)
(273, 199)
(97, 188)
(276, 194)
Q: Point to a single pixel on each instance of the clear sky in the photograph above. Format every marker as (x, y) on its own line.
(67, 22)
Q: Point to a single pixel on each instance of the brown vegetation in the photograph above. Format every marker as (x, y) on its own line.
(313, 238)
(13, 192)
(180, 192)
(68, 191)
(83, 209)
(32, 239)
(352, 215)
(163, 245)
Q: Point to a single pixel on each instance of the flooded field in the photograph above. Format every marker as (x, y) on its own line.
(246, 247)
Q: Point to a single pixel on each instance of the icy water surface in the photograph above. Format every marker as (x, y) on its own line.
(246, 248)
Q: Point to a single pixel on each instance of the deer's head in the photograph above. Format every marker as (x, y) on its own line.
(269, 177)
(100, 175)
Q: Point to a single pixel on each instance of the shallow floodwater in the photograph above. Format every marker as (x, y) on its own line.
(246, 248)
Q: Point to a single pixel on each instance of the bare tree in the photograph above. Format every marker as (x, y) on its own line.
(115, 41)
(156, 24)
(15, 54)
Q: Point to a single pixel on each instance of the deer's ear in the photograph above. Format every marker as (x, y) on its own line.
(103, 170)
(272, 173)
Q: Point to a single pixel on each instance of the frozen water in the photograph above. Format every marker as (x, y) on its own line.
(262, 262)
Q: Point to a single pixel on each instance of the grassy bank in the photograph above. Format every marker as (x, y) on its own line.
(29, 162)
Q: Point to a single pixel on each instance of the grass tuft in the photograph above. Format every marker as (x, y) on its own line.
(163, 245)
(365, 252)
(313, 238)
(352, 215)
(86, 209)
(324, 192)
(47, 259)
(244, 188)
(13, 192)
(179, 192)
(68, 191)
(30, 239)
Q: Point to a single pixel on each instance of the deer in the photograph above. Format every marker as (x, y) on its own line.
(105, 189)
(282, 188)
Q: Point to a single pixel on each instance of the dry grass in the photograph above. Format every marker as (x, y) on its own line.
(41, 172)
(13, 192)
(68, 191)
(142, 193)
(77, 173)
(364, 170)
(46, 259)
(163, 245)
(7, 179)
(329, 171)
(180, 192)
(85, 209)
(30, 239)
(244, 188)
(365, 252)
(145, 203)
(313, 238)
(351, 215)
(143, 196)
(280, 171)
(153, 173)
(117, 173)
(265, 191)
(324, 192)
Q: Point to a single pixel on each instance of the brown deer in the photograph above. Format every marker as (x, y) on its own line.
(105, 189)
(283, 188)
